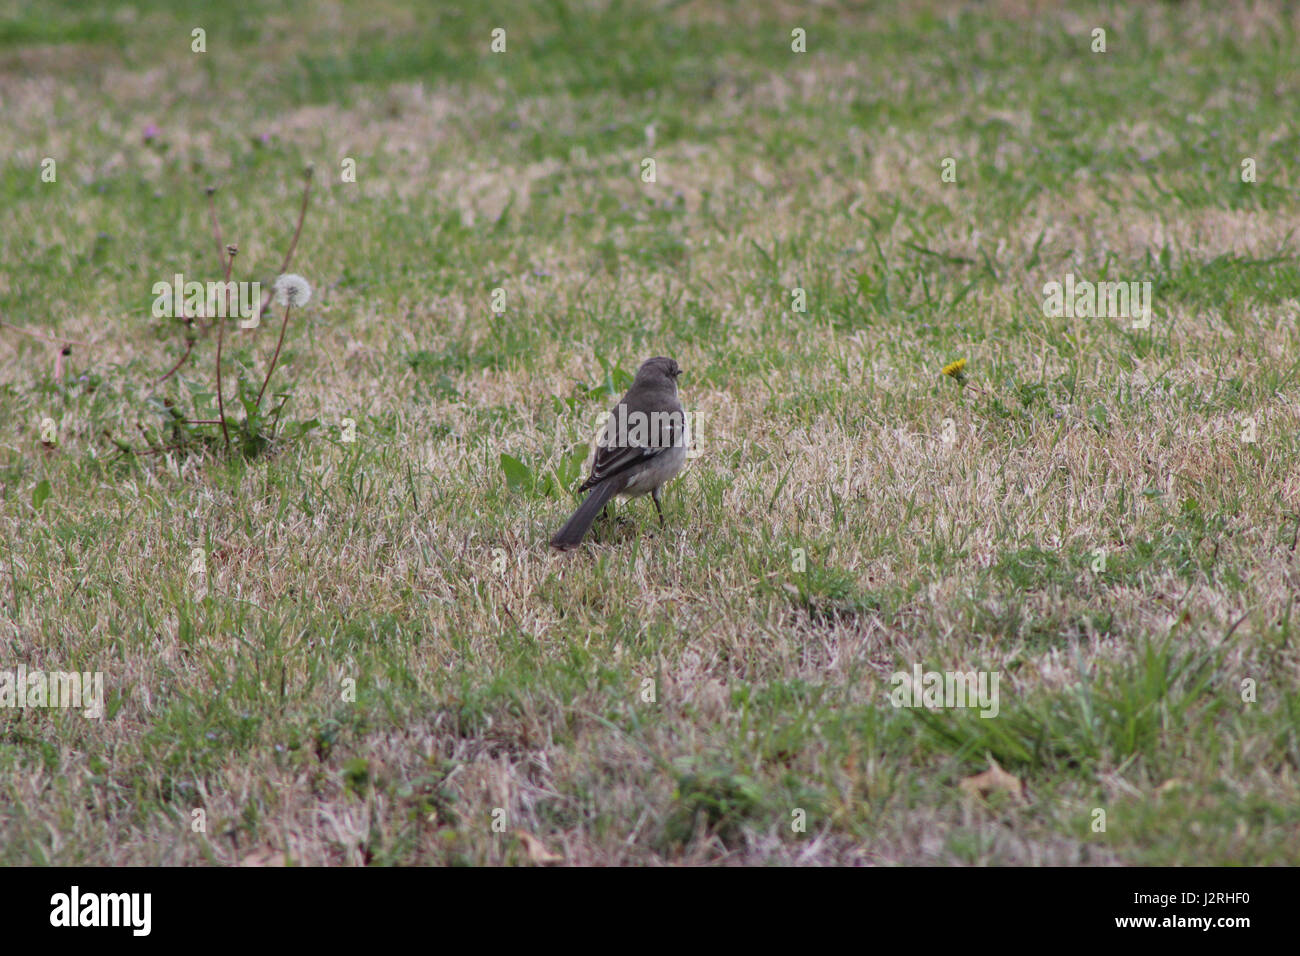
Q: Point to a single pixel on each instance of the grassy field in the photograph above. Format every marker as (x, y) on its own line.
(374, 658)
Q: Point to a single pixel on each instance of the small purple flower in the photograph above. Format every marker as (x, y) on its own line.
(150, 132)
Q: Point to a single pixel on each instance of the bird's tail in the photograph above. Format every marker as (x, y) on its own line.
(575, 529)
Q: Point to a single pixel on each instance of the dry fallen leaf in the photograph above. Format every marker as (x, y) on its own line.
(537, 851)
(992, 780)
(1173, 783)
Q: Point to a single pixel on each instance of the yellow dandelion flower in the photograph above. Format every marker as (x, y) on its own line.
(955, 369)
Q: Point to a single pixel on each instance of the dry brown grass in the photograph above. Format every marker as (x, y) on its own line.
(519, 688)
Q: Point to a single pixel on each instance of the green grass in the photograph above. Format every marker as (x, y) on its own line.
(382, 657)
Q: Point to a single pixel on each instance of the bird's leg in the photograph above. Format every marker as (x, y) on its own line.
(654, 495)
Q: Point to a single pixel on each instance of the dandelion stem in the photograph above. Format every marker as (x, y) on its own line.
(288, 256)
(302, 216)
(230, 265)
(221, 402)
(221, 334)
(189, 347)
(274, 358)
(38, 335)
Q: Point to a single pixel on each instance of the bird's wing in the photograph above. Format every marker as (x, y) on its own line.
(613, 458)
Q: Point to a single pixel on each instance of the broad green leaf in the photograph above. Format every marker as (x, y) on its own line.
(518, 476)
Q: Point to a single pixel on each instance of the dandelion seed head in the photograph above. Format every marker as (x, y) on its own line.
(292, 290)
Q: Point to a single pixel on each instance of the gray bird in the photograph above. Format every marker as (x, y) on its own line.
(642, 447)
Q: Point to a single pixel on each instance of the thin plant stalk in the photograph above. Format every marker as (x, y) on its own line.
(37, 335)
(189, 347)
(288, 256)
(274, 358)
(221, 337)
(221, 402)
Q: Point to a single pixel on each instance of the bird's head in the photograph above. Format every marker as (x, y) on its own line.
(658, 370)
